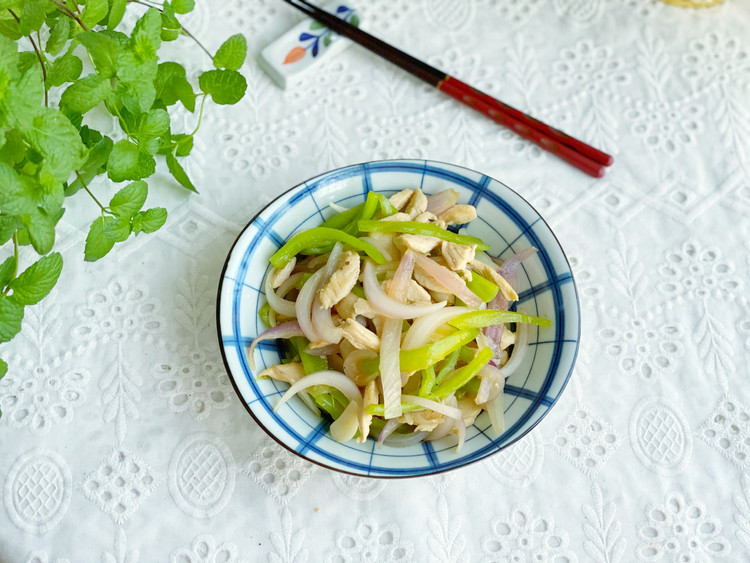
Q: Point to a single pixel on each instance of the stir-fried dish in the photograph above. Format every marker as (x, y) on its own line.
(395, 324)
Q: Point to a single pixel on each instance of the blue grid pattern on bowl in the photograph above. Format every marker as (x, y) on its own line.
(505, 220)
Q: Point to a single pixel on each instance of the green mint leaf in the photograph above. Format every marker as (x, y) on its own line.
(35, 283)
(9, 224)
(92, 167)
(16, 197)
(137, 96)
(57, 140)
(129, 200)
(89, 136)
(117, 229)
(184, 144)
(59, 33)
(103, 49)
(10, 28)
(11, 316)
(226, 87)
(183, 6)
(146, 166)
(153, 124)
(170, 27)
(172, 86)
(65, 69)
(146, 36)
(94, 12)
(85, 93)
(32, 16)
(14, 150)
(150, 220)
(3, 370)
(178, 172)
(116, 12)
(232, 53)
(8, 55)
(41, 230)
(97, 245)
(26, 59)
(22, 98)
(123, 161)
(7, 269)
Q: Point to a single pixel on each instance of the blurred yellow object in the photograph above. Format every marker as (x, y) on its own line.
(693, 3)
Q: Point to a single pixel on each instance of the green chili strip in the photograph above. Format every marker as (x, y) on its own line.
(472, 387)
(310, 363)
(263, 314)
(463, 375)
(370, 207)
(386, 206)
(341, 220)
(414, 228)
(316, 237)
(333, 402)
(428, 381)
(482, 287)
(358, 291)
(489, 317)
(302, 279)
(448, 367)
(467, 354)
(379, 410)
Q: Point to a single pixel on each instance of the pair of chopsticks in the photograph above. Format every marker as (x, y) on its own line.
(584, 157)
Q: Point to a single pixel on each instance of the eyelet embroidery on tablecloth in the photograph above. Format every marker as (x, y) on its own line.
(716, 58)
(446, 541)
(743, 327)
(727, 430)
(666, 126)
(742, 516)
(193, 226)
(40, 395)
(42, 557)
(585, 277)
(517, 13)
(121, 554)
(449, 15)
(37, 491)
(518, 465)
(203, 549)
(383, 16)
(579, 11)
(121, 483)
(525, 536)
(660, 436)
(201, 474)
(333, 83)
(682, 531)
(588, 66)
(358, 488)
(604, 542)
(370, 541)
(586, 440)
(289, 547)
(251, 17)
(278, 472)
(645, 8)
(441, 481)
(398, 136)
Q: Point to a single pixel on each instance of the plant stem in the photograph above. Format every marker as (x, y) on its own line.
(85, 187)
(200, 115)
(15, 253)
(38, 56)
(63, 9)
(122, 122)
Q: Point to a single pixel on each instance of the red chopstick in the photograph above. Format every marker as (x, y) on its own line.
(577, 153)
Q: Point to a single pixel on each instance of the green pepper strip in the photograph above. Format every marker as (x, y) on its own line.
(428, 381)
(386, 206)
(310, 363)
(482, 287)
(414, 228)
(370, 207)
(341, 220)
(358, 291)
(467, 354)
(263, 313)
(316, 237)
(425, 356)
(448, 367)
(463, 375)
(489, 317)
(379, 410)
(302, 279)
(471, 388)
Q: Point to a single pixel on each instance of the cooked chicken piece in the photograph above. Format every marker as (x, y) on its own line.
(342, 281)
(425, 421)
(386, 242)
(507, 338)
(370, 398)
(426, 217)
(417, 204)
(290, 373)
(458, 214)
(438, 296)
(418, 243)
(345, 307)
(397, 217)
(400, 199)
(363, 307)
(469, 410)
(415, 293)
(502, 359)
(280, 276)
(429, 283)
(457, 256)
(360, 337)
(490, 273)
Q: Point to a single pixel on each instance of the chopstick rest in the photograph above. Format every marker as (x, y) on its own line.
(304, 47)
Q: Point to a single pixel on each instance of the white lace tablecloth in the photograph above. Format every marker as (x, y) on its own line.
(122, 440)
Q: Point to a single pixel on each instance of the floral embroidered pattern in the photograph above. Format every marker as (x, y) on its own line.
(122, 554)
(588, 66)
(518, 465)
(665, 126)
(716, 58)
(203, 549)
(358, 488)
(586, 440)
(391, 137)
(279, 473)
(695, 271)
(517, 13)
(660, 436)
(680, 530)
(370, 541)
(727, 430)
(602, 529)
(42, 557)
(742, 516)
(289, 546)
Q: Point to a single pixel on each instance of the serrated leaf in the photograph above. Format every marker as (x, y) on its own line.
(116, 229)
(232, 53)
(16, 197)
(137, 96)
(97, 245)
(32, 16)
(178, 172)
(150, 220)
(14, 150)
(26, 60)
(65, 69)
(146, 36)
(92, 167)
(226, 87)
(170, 27)
(58, 141)
(85, 93)
(3, 369)
(129, 200)
(183, 6)
(9, 224)
(123, 161)
(7, 269)
(41, 230)
(103, 49)
(94, 12)
(146, 165)
(171, 86)
(23, 98)
(116, 12)
(35, 283)
(58, 35)
(11, 29)
(11, 316)
(184, 144)
(152, 125)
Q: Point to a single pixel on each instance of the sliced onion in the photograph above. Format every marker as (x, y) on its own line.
(398, 285)
(442, 201)
(403, 441)
(495, 409)
(286, 330)
(309, 403)
(491, 384)
(461, 428)
(450, 412)
(390, 375)
(303, 305)
(334, 379)
(442, 429)
(336, 207)
(323, 324)
(424, 327)
(345, 426)
(380, 246)
(352, 367)
(333, 260)
(448, 279)
(508, 267)
(387, 430)
(389, 307)
(323, 350)
(278, 304)
(523, 331)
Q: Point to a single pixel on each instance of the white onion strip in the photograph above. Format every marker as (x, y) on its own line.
(390, 374)
(495, 409)
(441, 201)
(389, 307)
(303, 306)
(397, 440)
(523, 331)
(424, 327)
(450, 412)
(286, 330)
(380, 246)
(491, 383)
(442, 429)
(460, 426)
(334, 379)
(323, 324)
(449, 280)
(277, 303)
(387, 430)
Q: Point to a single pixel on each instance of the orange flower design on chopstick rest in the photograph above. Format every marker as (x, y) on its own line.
(295, 55)
(319, 34)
